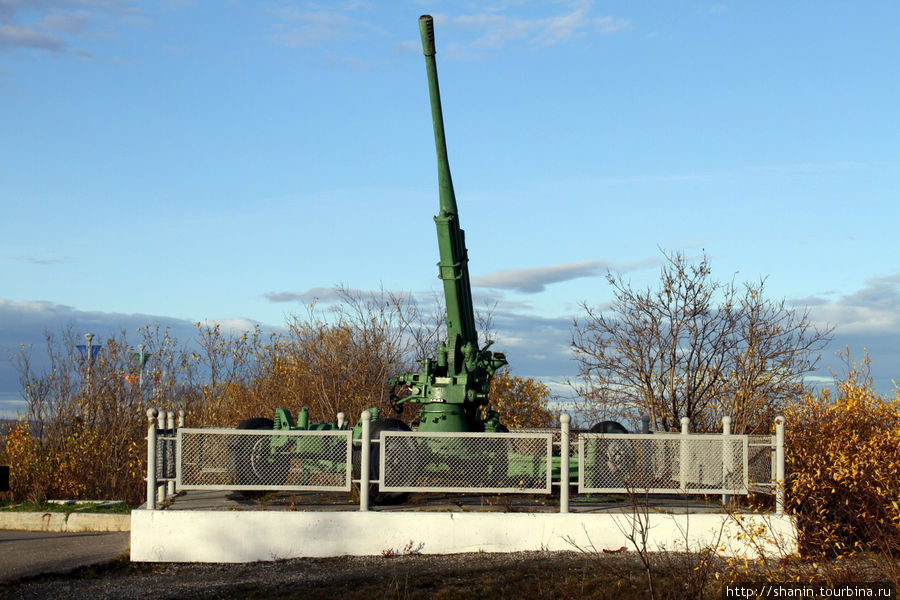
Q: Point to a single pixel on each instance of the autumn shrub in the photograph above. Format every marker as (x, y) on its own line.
(843, 465)
(81, 435)
(330, 360)
(25, 459)
(521, 401)
(78, 463)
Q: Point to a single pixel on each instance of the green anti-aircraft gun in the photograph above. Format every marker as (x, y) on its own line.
(453, 389)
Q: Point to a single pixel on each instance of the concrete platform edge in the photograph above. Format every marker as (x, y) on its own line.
(62, 522)
(246, 536)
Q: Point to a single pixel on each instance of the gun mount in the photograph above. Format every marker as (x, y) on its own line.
(453, 388)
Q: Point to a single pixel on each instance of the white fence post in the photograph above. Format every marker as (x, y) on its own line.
(779, 465)
(170, 452)
(683, 454)
(564, 421)
(727, 458)
(161, 489)
(151, 458)
(364, 458)
(180, 424)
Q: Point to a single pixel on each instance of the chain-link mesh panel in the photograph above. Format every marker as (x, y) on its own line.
(697, 464)
(232, 459)
(760, 463)
(465, 462)
(166, 455)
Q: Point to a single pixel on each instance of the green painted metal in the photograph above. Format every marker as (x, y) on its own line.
(453, 388)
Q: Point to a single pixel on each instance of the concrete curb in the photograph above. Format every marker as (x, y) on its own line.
(58, 521)
(248, 536)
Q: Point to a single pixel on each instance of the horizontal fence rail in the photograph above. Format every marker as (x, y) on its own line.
(232, 459)
(662, 464)
(466, 462)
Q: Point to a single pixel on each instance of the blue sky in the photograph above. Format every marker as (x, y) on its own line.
(179, 161)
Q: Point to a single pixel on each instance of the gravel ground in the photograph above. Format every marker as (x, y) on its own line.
(383, 577)
(514, 576)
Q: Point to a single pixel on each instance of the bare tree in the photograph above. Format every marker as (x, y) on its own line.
(693, 347)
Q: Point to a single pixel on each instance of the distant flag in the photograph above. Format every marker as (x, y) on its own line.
(141, 358)
(84, 351)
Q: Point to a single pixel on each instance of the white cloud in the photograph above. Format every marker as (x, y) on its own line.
(53, 25)
(865, 321)
(61, 22)
(494, 27)
(498, 30)
(872, 310)
(536, 279)
(22, 36)
(234, 326)
(178, 4)
(316, 295)
(39, 260)
(300, 28)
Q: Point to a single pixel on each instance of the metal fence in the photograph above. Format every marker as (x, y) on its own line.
(662, 464)
(471, 462)
(230, 459)
(534, 462)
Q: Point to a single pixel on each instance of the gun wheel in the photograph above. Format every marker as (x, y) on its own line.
(383, 498)
(248, 457)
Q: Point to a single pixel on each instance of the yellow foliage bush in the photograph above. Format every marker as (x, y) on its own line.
(22, 453)
(521, 401)
(75, 462)
(843, 466)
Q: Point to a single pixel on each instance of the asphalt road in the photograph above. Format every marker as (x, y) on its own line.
(27, 553)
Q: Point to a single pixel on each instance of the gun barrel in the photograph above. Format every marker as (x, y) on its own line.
(453, 267)
(454, 388)
(445, 182)
(426, 26)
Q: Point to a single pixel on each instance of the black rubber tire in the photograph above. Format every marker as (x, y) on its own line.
(256, 423)
(383, 498)
(608, 427)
